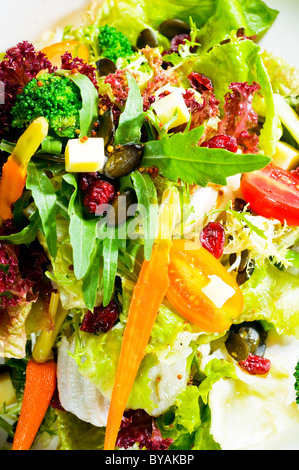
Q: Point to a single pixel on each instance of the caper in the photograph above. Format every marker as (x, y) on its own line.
(106, 127)
(118, 213)
(251, 336)
(237, 347)
(173, 27)
(147, 37)
(105, 67)
(123, 161)
(246, 338)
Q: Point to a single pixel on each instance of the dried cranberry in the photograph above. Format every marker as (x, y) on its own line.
(256, 365)
(99, 195)
(138, 427)
(86, 180)
(200, 82)
(212, 238)
(101, 320)
(222, 142)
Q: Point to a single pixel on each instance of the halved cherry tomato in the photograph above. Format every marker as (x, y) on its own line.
(57, 50)
(201, 289)
(273, 193)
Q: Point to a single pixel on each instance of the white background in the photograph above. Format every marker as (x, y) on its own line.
(28, 19)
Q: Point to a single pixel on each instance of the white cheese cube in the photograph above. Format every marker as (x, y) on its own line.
(286, 156)
(218, 291)
(85, 156)
(168, 106)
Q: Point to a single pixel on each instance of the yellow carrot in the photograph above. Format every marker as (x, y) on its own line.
(14, 171)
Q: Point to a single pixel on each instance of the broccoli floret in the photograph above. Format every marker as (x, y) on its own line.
(53, 97)
(113, 44)
(296, 385)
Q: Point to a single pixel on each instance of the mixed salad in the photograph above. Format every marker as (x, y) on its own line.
(149, 255)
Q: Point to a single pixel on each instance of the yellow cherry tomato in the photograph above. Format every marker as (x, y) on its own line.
(201, 289)
(56, 51)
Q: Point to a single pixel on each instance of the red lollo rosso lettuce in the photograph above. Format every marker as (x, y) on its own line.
(240, 117)
(13, 288)
(139, 428)
(70, 63)
(22, 285)
(209, 106)
(20, 65)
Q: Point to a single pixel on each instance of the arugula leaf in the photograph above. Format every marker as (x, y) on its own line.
(131, 120)
(27, 235)
(44, 197)
(149, 208)
(180, 157)
(91, 280)
(90, 101)
(110, 260)
(82, 230)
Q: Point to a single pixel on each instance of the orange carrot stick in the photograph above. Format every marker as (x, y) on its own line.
(148, 296)
(39, 389)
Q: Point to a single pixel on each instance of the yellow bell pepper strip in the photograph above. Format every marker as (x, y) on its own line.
(14, 171)
(148, 295)
(40, 386)
(201, 289)
(56, 51)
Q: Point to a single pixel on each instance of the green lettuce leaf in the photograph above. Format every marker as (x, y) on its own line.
(13, 336)
(131, 16)
(188, 421)
(182, 420)
(272, 295)
(76, 435)
(230, 15)
(284, 77)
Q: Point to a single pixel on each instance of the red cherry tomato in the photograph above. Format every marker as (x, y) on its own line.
(273, 193)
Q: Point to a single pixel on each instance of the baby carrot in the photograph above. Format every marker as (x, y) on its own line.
(148, 296)
(40, 386)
